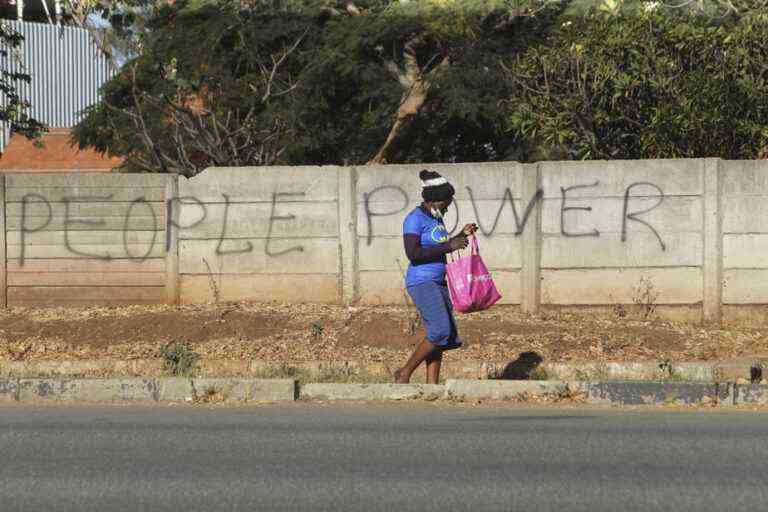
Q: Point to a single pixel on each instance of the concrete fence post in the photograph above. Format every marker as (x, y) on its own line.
(348, 258)
(172, 211)
(530, 274)
(712, 232)
(3, 249)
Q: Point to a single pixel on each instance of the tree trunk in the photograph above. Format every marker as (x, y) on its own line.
(416, 86)
(411, 103)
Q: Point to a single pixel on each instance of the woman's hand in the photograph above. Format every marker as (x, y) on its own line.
(469, 229)
(458, 242)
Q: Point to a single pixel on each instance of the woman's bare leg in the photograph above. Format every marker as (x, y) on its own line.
(423, 351)
(433, 366)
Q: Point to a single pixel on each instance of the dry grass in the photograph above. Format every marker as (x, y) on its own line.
(306, 332)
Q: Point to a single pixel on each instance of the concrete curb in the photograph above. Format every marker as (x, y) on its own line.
(86, 390)
(750, 394)
(613, 392)
(621, 393)
(210, 390)
(147, 390)
(512, 389)
(330, 371)
(372, 391)
(658, 393)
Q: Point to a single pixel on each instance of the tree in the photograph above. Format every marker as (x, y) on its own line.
(15, 110)
(372, 81)
(658, 83)
(202, 93)
(414, 81)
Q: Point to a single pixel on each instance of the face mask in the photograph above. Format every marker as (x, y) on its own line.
(436, 213)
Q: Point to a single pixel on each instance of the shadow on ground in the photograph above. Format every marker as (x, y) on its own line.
(525, 367)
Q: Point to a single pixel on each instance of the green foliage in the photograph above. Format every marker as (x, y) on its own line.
(662, 84)
(198, 95)
(350, 97)
(343, 95)
(179, 358)
(502, 80)
(14, 110)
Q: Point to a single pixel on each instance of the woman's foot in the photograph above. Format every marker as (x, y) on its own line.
(399, 377)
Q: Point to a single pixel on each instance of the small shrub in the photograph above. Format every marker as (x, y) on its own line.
(179, 357)
(645, 295)
(667, 370)
(566, 394)
(211, 395)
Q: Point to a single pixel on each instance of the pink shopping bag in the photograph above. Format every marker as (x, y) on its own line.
(470, 283)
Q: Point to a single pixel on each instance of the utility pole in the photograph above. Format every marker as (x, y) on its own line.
(20, 10)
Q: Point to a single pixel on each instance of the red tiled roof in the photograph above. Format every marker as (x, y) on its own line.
(58, 154)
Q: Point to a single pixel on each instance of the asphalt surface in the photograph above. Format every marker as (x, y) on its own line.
(381, 457)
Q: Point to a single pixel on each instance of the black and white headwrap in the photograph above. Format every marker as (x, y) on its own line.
(434, 187)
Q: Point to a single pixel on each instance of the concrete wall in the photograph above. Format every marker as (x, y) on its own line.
(83, 239)
(260, 234)
(745, 232)
(597, 244)
(689, 232)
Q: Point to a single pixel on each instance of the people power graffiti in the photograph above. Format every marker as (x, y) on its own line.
(507, 198)
(280, 213)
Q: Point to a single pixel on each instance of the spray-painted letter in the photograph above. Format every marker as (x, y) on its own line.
(369, 215)
(24, 228)
(170, 223)
(564, 209)
(633, 216)
(139, 200)
(273, 218)
(82, 222)
(223, 234)
(519, 225)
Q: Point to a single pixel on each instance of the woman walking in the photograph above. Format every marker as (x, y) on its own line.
(426, 244)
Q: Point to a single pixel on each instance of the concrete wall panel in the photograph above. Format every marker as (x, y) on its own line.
(295, 256)
(681, 285)
(745, 286)
(320, 288)
(608, 250)
(745, 214)
(252, 220)
(745, 251)
(745, 178)
(674, 214)
(673, 177)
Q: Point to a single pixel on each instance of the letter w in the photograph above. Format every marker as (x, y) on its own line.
(519, 226)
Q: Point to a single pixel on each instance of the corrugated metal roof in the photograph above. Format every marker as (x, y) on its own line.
(67, 69)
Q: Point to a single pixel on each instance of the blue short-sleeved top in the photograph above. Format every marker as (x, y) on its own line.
(432, 232)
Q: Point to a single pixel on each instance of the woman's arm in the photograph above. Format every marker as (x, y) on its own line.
(417, 253)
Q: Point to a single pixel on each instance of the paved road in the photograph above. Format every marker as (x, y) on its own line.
(410, 457)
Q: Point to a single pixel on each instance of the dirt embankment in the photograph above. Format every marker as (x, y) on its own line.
(292, 333)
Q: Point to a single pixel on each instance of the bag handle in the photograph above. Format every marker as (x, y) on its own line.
(454, 255)
(475, 248)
